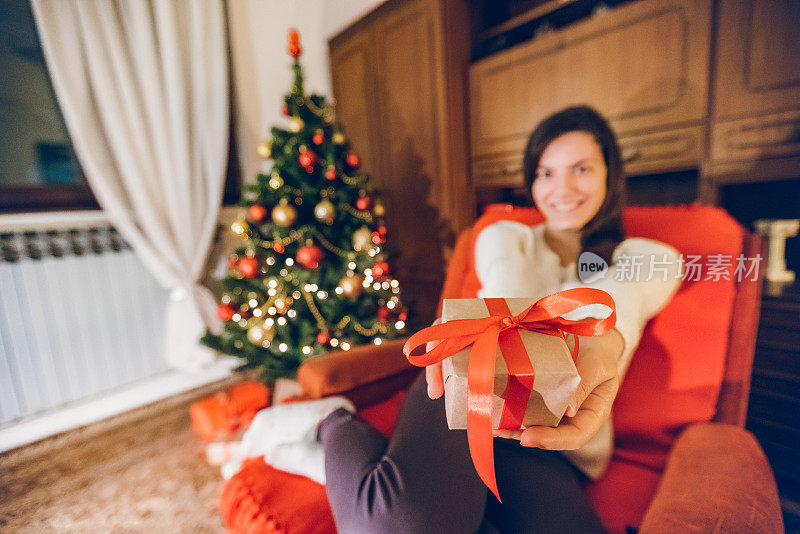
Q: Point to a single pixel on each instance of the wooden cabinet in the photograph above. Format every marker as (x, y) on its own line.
(399, 77)
(677, 100)
(644, 65)
(755, 131)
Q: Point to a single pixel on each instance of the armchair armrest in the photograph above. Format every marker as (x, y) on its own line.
(717, 479)
(365, 374)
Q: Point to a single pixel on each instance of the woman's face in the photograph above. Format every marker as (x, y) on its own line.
(570, 183)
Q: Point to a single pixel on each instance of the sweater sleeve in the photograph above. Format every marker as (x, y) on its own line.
(642, 278)
(501, 261)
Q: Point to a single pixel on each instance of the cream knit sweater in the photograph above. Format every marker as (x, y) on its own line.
(513, 260)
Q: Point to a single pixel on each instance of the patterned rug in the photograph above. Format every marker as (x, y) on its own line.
(143, 471)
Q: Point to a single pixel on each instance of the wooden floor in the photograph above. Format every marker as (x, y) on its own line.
(144, 471)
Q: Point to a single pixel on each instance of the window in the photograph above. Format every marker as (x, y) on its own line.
(38, 166)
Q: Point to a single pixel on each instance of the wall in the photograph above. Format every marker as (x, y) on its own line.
(262, 67)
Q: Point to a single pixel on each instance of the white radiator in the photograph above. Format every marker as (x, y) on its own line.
(80, 316)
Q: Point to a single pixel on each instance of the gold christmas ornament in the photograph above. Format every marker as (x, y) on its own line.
(325, 211)
(296, 124)
(240, 226)
(283, 214)
(338, 138)
(275, 181)
(265, 149)
(260, 333)
(362, 239)
(352, 285)
(378, 209)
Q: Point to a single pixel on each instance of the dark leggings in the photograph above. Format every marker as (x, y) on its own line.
(423, 479)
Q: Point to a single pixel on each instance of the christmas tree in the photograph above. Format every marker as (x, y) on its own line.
(312, 273)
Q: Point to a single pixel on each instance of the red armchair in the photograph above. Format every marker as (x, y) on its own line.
(683, 461)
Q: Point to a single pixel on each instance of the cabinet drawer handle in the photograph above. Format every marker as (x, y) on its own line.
(794, 137)
(631, 154)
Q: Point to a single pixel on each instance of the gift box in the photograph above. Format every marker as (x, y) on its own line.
(554, 376)
(506, 363)
(224, 415)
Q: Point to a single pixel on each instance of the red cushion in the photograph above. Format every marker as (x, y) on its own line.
(261, 499)
(622, 497)
(676, 372)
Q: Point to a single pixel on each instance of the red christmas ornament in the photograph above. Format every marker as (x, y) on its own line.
(383, 314)
(382, 230)
(380, 269)
(363, 203)
(307, 158)
(318, 139)
(278, 247)
(330, 174)
(309, 256)
(257, 212)
(248, 266)
(225, 312)
(353, 160)
(285, 110)
(377, 238)
(323, 337)
(403, 315)
(294, 43)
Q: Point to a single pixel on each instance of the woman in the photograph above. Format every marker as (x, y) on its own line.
(423, 479)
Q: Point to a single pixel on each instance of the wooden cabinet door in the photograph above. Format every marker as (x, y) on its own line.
(356, 94)
(758, 58)
(644, 65)
(396, 79)
(756, 105)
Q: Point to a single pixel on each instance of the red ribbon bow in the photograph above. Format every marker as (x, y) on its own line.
(501, 329)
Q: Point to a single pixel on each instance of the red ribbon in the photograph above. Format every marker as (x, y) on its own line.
(501, 329)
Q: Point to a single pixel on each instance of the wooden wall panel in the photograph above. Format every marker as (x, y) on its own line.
(357, 112)
(398, 76)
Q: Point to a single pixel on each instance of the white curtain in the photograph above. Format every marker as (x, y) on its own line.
(143, 86)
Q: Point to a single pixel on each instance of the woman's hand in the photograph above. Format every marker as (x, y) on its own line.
(591, 403)
(433, 373)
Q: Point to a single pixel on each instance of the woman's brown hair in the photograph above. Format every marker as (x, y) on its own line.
(604, 231)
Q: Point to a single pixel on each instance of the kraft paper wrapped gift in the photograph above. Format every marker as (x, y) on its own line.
(556, 377)
(224, 415)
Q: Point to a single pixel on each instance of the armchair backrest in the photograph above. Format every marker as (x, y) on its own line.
(694, 360)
